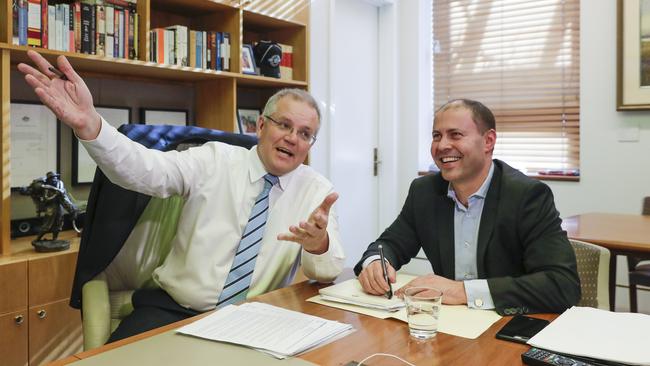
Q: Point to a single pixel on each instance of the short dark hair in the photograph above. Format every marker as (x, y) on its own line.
(481, 115)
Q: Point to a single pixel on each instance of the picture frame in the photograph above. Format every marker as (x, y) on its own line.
(163, 116)
(34, 141)
(247, 120)
(633, 55)
(83, 166)
(248, 65)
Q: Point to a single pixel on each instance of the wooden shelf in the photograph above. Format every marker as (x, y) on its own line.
(194, 7)
(119, 68)
(260, 21)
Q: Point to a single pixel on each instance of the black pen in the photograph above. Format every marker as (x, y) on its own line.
(58, 73)
(389, 293)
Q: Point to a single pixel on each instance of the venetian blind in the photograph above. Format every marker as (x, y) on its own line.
(521, 59)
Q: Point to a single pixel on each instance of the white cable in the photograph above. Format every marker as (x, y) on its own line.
(384, 354)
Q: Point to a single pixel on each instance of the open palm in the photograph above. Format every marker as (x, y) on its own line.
(70, 100)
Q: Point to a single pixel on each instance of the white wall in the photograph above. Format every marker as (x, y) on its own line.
(614, 175)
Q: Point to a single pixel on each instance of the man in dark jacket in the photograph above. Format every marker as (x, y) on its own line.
(492, 234)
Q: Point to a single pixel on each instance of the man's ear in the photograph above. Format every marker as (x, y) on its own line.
(260, 125)
(490, 137)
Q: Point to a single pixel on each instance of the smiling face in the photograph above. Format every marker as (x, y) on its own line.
(460, 150)
(280, 151)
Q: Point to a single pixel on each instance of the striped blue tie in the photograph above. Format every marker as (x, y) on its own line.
(241, 272)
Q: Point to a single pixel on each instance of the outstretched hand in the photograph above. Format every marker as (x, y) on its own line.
(70, 100)
(312, 234)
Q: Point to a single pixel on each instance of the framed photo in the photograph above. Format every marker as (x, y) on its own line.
(248, 120)
(34, 142)
(248, 60)
(633, 55)
(152, 116)
(83, 166)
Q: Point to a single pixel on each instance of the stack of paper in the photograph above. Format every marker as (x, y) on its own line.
(599, 334)
(351, 292)
(271, 329)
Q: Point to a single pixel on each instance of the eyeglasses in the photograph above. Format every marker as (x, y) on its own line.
(286, 127)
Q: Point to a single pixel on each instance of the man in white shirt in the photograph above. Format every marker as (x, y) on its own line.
(220, 184)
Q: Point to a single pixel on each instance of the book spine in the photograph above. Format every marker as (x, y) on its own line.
(51, 26)
(226, 50)
(22, 22)
(100, 30)
(44, 24)
(71, 29)
(93, 29)
(65, 29)
(77, 26)
(58, 27)
(34, 23)
(131, 33)
(85, 28)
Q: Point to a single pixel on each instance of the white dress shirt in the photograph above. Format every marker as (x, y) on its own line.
(219, 183)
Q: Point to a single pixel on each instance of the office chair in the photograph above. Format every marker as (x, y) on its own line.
(593, 270)
(639, 272)
(127, 235)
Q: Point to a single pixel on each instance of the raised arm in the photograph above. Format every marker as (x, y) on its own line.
(70, 100)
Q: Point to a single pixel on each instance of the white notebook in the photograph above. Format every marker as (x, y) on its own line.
(351, 292)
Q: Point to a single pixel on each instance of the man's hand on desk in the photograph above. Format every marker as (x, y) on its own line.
(372, 278)
(453, 292)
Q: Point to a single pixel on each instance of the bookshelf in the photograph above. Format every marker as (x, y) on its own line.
(216, 93)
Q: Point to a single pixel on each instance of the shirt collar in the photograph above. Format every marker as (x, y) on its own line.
(257, 170)
(481, 192)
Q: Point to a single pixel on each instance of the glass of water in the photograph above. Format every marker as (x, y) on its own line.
(423, 309)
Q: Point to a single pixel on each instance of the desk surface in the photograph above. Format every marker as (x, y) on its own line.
(372, 336)
(613, 231)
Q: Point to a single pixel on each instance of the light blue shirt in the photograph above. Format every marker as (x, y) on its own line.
(467, 221)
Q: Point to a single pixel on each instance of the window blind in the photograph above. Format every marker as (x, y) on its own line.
(521, 59)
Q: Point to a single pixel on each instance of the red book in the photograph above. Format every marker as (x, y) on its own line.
(34, 23)
(44, 24)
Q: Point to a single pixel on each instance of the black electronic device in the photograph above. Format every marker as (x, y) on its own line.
(540, 357)
(521, 328)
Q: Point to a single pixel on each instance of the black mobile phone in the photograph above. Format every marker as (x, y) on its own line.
(521, 328)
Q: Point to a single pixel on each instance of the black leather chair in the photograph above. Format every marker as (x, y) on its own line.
(639, 272)
(127, 234)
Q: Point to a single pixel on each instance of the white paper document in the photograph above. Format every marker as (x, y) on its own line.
(456, 320)
(600, 334)
(271, 329)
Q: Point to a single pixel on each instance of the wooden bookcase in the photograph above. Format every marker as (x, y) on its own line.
(31, 283)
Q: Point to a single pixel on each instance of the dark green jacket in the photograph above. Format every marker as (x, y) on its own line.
(522, 251)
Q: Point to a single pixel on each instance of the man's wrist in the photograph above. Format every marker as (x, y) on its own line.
(323, 247)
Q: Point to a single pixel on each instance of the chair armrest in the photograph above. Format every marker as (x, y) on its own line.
(95, 313)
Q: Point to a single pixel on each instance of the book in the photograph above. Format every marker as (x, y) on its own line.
(225, 51)
(22, 22)
(286, 62)
(100, 34)
(86, 35)
(34, 23)
(44, 24)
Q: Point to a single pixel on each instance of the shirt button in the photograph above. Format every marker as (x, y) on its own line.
(467, 244)
(468, 276)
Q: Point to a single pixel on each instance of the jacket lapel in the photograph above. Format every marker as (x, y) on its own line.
(488, 218)
(445, 234)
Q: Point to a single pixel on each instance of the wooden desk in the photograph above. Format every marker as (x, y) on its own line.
(621, 234)
(373, 336)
